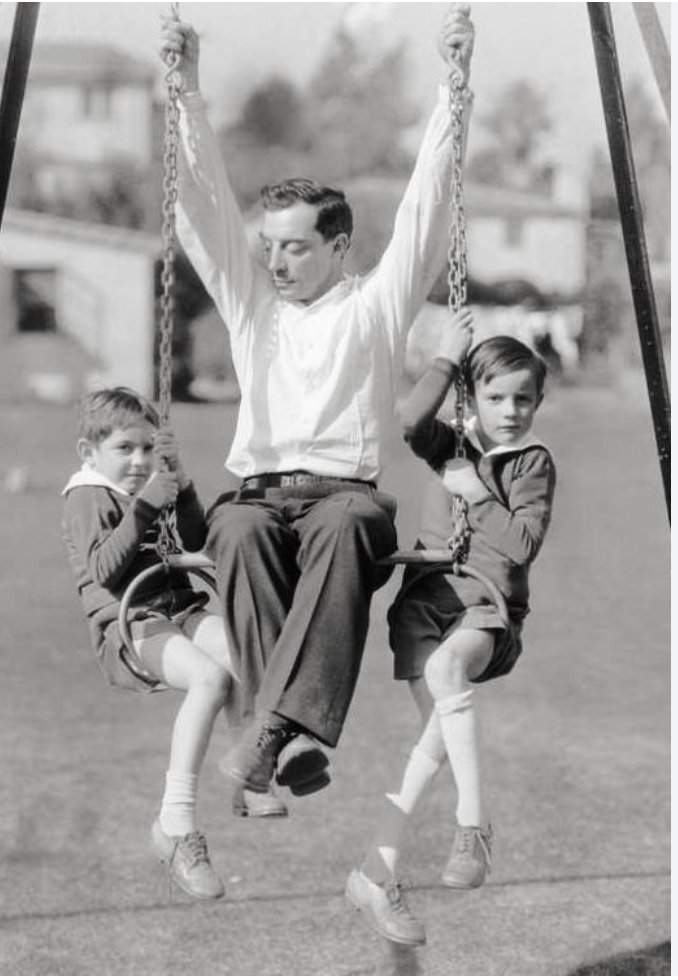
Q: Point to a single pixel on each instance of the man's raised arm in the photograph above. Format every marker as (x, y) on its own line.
(209, 223)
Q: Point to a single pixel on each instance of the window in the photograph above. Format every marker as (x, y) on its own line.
(34, 293)
(514, 232)
(97, 102)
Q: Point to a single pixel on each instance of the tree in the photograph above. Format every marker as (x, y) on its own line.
(358, 107)
(274, 114)
(513, 155)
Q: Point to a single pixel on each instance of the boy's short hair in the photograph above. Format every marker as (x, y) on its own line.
(334, 212)
(107, 409)
(501, 355)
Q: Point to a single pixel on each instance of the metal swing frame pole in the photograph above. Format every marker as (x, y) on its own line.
(13, 89)
(621, 155)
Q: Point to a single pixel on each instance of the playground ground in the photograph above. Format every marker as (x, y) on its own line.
(578, 751)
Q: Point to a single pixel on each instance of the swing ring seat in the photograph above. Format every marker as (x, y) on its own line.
(198, 564)
(437, 559)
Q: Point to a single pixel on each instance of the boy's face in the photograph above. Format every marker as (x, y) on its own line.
(125, 456)
(505, 407)
(301, 264)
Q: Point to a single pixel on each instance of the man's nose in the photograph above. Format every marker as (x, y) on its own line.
(276, 260)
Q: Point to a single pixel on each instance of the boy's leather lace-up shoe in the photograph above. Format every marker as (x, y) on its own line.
(248, 804)
(384, 909)
(252, 762)
(470, 860)
(187, 862)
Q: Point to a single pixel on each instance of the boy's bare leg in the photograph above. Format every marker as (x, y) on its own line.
(178, 662)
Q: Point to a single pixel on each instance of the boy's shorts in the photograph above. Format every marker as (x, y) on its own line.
(428, 608)
(121, 667)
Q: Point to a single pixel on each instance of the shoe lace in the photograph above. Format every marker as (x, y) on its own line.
(194, 848)
(270, 734)
(467, 837)
(396, 898)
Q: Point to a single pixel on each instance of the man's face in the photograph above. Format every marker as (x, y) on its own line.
(302, 265)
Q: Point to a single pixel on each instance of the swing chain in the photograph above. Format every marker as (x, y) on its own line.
(166, 544)
(458, 542)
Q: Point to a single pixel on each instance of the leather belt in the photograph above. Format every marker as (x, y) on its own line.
(297, 478)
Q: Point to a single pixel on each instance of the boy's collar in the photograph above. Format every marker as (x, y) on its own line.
(471, 432)
(87, 477)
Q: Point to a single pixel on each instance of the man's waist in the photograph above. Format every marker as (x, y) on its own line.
(298, 478)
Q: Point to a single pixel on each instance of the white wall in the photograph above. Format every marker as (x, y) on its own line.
(551, 253)
(104, 288)
(127, 132)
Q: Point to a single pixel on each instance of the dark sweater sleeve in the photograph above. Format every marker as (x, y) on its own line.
(429, 437)
(107, 543)
(191, 523)
(519, 528)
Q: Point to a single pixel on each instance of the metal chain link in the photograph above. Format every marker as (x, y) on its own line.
(167, 542)
(458, 542)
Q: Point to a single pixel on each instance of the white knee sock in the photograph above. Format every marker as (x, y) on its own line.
(458, 725)
(177, 813)
(382, 857)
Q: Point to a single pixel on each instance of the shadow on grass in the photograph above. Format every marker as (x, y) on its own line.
(655, 961)
(180, 901)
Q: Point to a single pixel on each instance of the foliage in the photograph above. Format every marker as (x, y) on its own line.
(516, 126)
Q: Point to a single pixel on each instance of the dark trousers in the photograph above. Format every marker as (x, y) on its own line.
(296, 572)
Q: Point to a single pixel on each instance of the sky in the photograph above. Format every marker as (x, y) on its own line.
(244, 43)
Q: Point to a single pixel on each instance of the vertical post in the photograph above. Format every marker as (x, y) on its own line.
(634, 236)
(13, 89)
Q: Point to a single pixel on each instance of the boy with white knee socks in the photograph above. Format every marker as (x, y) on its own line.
(445, 630)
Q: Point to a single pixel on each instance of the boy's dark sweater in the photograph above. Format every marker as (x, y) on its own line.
(111, 538)
(509, 524)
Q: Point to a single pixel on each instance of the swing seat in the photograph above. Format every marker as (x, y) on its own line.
(195, 563)
(441, 560)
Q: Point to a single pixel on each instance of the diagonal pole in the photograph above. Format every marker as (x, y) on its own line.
(630, 213)
(13, 89)
(657, 49)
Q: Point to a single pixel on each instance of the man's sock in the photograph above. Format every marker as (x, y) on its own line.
(382, 857)
(177, 812)
(458, 725)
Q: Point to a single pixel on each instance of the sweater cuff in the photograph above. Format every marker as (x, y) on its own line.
(192, 101)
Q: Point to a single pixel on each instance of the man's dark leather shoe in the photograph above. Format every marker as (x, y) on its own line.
(302, 765)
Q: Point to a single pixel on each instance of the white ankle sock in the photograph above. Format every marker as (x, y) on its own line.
(177, 813)
(458, 725)
(382, 858)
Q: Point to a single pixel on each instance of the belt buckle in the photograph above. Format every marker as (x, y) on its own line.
(289, 479)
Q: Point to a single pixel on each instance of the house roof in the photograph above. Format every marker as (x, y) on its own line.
(53, 226)
(77, 62)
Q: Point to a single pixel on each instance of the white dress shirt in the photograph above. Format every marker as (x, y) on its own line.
(318, 382)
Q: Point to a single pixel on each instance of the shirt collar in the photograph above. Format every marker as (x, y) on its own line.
(471, 431)
(87, 477)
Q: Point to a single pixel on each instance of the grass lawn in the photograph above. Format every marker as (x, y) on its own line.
(577, 742)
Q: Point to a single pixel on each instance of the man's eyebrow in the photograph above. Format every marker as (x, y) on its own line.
(284, 241)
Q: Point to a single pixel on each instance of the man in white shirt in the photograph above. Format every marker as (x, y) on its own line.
(318, 357)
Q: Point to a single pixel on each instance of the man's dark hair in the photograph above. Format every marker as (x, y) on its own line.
(334, 213)
(502, 355)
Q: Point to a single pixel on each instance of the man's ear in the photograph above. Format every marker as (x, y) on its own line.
(85, 450)
(341, 244)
